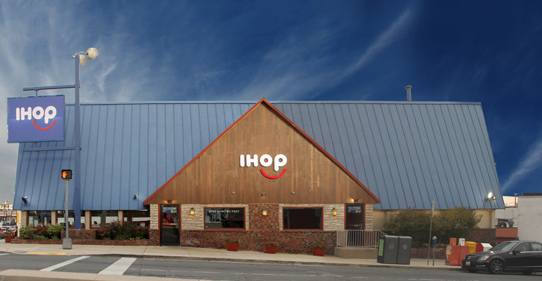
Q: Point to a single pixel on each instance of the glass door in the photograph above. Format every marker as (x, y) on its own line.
(169, 225)
(354, 224)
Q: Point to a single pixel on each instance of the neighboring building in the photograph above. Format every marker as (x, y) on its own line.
(526, 213)
(7, 215)
(186, 169)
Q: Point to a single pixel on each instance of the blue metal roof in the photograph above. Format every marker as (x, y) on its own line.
(407, 153)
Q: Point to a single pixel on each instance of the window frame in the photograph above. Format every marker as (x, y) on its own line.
(304, 229)
(225, 229)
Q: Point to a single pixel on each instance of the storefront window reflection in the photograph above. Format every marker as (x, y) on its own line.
(39, 218)
(231, 218)
(101, 218)
(71, 218)
(140, 218)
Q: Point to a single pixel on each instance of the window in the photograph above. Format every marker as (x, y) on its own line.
(302, 218)
(140, 218)
(71, 218)
(224, 218)
(522, 247)
(536, 247)
(39, 218)
(101, 218)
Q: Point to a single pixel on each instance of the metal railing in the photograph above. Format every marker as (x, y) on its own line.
(358, 238)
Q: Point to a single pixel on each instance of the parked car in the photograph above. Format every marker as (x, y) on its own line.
(524, 256)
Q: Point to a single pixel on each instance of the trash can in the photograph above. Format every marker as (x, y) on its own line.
(387, 249)
(404, 250)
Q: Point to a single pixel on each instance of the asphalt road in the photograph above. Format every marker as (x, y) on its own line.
(232, 271)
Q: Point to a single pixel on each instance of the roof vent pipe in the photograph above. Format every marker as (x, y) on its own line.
(408, 94)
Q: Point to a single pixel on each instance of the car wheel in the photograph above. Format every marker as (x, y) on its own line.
(527, 272)
(496, 267)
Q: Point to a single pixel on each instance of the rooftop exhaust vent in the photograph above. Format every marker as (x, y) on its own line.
(408, 94)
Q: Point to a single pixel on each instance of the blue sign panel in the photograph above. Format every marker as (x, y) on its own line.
(34, 119)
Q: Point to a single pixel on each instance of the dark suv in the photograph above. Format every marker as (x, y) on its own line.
(524, 256)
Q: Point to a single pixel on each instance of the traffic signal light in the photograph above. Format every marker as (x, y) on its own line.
(66, 174)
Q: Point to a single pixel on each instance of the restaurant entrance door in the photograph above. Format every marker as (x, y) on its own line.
(354, 224)
(169, 225)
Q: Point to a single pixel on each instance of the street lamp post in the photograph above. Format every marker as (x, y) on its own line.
(80, 59)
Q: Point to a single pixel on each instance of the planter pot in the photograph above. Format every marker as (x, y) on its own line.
(269, 249)
(232, 246)
(9, 237)
(319, 252)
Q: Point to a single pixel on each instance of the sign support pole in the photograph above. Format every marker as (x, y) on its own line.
(67, 242)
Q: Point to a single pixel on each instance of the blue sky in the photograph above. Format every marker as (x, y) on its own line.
(475, 51)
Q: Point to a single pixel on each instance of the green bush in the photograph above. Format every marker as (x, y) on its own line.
(410, 222)
(53, 231)
(120, 231)
(26, 232)
(458, 223)
(39, 237)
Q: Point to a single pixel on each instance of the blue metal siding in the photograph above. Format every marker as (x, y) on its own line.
(407, 154)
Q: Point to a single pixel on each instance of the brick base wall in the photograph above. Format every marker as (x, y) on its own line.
(483, 235)
(84, 234)
(288, 242)
(421, 253)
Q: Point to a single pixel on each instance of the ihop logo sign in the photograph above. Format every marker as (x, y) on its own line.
(36, 119)
(265, 161)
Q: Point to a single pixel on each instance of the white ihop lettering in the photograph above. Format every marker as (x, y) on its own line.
(36, 113)
(266, 160)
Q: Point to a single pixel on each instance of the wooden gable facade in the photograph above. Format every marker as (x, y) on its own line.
(216, 176)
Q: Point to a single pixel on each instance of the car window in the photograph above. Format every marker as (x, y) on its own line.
(536, 246)
(504, 247)
(522, 247)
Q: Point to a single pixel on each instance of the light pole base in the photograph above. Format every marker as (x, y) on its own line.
(67, 244)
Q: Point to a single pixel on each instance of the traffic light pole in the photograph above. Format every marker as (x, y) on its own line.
(67, 242)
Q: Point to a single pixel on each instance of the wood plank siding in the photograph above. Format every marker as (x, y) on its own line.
(216, 177)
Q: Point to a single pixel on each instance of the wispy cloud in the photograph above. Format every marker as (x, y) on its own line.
(294, 70)
(531, 161)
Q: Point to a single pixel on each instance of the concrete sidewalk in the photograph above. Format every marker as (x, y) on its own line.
(204, 254)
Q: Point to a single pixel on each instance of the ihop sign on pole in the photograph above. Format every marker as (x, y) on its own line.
(33, 119)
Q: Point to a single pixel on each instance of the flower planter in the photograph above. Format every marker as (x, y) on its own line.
(9, 237)
(319, 252)
(234, 247)
(268, 249)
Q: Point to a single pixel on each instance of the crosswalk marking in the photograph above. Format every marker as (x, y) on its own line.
(51, 268)
(119, 267)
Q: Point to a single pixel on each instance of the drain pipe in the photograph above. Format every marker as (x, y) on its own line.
(409, 95)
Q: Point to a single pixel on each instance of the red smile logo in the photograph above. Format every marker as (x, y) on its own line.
(43, 129)
(271, 177)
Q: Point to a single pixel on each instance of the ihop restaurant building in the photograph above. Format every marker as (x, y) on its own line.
(294, 173)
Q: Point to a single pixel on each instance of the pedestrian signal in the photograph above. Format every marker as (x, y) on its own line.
(66, 174)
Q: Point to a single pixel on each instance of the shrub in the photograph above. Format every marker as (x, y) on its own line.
(40, 231)
(410, 222)
(270, 244)
(120, 231)
(26, 232)
(231, 241)
(54, 231)
(458, 223)
(319, 246)
(39, 237)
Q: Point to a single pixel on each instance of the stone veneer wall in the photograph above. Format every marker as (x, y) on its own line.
(155, 216)
(368, 216)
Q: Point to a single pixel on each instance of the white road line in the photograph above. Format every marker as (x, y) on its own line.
(119, 267)
(51, 268)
